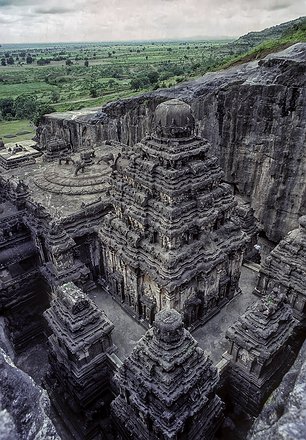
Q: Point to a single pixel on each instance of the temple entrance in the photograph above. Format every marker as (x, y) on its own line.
(147, 309)
(192, 311)
(118, 286)
(87, 250)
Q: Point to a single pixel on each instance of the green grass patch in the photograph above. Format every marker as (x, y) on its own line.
(8, 128)
(14, 90)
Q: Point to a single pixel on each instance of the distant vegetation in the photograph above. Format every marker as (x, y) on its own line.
(296, 34)
(45, 78)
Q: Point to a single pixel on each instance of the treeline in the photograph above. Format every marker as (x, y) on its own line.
(23, 107)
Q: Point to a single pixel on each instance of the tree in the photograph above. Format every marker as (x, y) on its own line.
(42, 110)
(55, 96)
(25, 106)
(153, 77)
(135, 83)
(10, 60)
(7, 108)
(86, 63)
(93, 91)
(69, 62)
(3, 62)
(29, 59)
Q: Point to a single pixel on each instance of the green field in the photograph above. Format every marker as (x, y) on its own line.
(16, 130)
(41, 79)
(111, 68)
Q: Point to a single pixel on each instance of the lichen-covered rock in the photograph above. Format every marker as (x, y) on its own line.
(254, 116)
(284, 415)
(24, 406)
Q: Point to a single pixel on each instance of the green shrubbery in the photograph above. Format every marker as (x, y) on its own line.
(23, 107)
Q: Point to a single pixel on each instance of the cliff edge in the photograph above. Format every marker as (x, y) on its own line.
(254, 116)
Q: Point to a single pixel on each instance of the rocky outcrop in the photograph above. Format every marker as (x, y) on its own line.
(252, 39)
(283, 416)
(24, 406)
(253, 115)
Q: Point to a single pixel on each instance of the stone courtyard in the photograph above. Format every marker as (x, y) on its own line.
(210, 337)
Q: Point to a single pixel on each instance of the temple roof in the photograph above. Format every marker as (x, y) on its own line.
(168, 364)
(265, 326)
(174, 119)
(76, 320)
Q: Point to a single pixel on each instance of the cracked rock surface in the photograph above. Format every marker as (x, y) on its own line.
(284, 414)
(24, 406)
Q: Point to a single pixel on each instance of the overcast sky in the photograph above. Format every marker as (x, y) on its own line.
(104, 20)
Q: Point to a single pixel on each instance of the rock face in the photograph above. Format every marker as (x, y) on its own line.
(173, 240)
(285, 269)
(253, 115)
(24, 406)
(167, 386)
(259, 351)
(283, 416)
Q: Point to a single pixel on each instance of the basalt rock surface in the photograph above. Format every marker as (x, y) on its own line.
(253, 115)
(283, 416)
(24, 406)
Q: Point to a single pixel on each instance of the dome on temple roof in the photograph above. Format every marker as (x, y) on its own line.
(168, 325)
(174, 119)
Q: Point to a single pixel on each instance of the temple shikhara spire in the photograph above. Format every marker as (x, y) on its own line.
(173, 240)
(167, 386)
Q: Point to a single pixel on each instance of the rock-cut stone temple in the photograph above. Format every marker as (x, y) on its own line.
(173, 239)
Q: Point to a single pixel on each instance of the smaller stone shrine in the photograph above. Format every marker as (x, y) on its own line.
(167, 386)
(285, 268)
(62, 266)
(54, 149)
(13, 155)
(260, 351)
(79, 373)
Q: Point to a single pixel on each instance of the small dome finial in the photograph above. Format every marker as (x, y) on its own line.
(168, 325)
(174, 119)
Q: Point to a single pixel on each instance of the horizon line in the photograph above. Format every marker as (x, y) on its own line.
(160, 40)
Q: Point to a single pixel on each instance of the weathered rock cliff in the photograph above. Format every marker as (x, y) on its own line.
(24, 406)
(254, 116)
(283, 416)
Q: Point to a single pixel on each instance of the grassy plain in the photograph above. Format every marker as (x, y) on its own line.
(73, 76)
(76, 75)
(16, 130)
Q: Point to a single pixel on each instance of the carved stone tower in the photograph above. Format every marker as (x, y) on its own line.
(78, 378)
(173, 240)
(285, 269)
(260, 351)
(167, 386)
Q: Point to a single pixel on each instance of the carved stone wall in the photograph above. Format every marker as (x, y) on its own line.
(261, 349)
